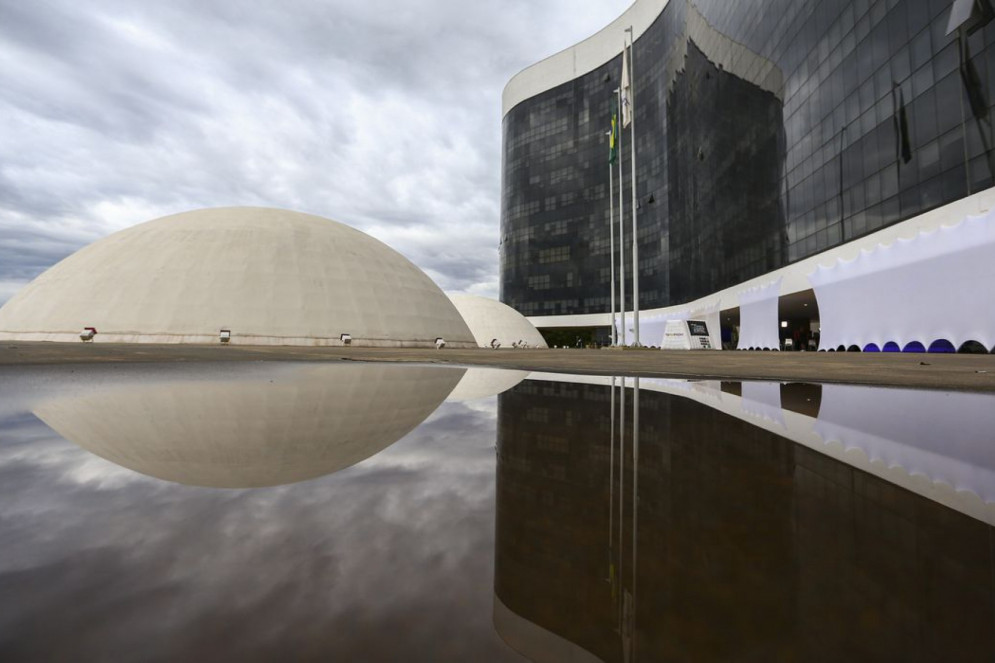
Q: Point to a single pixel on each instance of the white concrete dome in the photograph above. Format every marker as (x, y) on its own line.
(270, 276)
(489, 319)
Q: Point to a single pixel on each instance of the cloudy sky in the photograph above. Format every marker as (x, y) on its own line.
(383, 115)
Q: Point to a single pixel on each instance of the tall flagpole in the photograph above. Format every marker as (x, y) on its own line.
(611, 230)
(635, 237)
(621, 229)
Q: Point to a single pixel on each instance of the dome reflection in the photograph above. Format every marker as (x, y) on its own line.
(250, 433)
(486, 382)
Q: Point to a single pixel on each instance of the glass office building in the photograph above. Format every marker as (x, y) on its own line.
(767, 131)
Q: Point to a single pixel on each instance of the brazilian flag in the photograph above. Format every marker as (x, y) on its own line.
(613, 137)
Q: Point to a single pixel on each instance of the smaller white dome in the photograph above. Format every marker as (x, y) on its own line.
(489, 320)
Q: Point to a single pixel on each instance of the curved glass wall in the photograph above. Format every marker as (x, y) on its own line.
(768, 131)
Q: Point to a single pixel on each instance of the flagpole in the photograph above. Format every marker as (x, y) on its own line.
(621, 228)
(635, 238)
(611, 233)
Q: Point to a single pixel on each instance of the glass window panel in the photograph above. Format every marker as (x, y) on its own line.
(868, 121)
(882, 83)
(909, 201)
(938, 31)
(858, 224)
(878, 11)
(928, 157)
(889, 183)
(879, 43)
(857, 197)
(884, 110)
(981, 175)
(865, 57)
(860, 7)
(873, 189)
(954, 183)
(887, 142)
(875, 218)
(890, 211)
(834, 234)
(921, 50)
(897, 22)
(923, 111)
(922, 80)
(918, 16)
(931, 193)
(833, 208)
(948, 107)
(975, 146)
(852, 107)
(976, 42)
(900, 65)
(847, 18)
(945, 61)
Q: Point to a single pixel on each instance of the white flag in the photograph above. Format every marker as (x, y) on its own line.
(626, 88)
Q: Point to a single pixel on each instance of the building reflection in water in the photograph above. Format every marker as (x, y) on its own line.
(635, 524)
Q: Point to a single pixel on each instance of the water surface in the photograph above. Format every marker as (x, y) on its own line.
(324, 512)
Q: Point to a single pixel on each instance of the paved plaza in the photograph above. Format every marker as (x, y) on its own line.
(927, 371)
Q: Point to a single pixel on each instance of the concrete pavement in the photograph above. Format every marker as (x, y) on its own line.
(924, 371)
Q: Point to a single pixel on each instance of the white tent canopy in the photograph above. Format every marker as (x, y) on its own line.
(758, 317)
(934, 286)
(652, 327)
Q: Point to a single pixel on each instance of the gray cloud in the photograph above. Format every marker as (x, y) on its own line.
(383, 115)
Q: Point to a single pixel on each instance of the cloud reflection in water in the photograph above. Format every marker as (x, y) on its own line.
(390, 557)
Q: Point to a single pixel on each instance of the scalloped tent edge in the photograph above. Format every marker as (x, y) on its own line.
(915, 290)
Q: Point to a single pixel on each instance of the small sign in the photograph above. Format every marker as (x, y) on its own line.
(697, 328)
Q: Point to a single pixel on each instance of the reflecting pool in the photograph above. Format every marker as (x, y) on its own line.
(242, 512)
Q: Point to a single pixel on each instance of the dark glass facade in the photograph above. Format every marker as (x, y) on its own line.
(862, 114)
